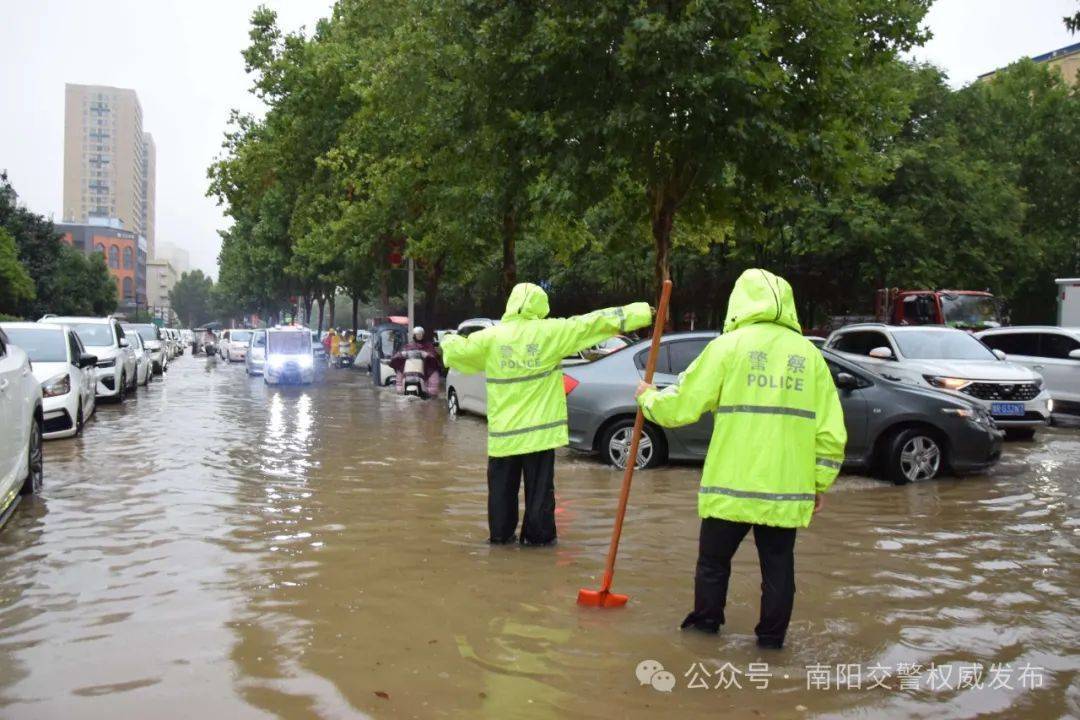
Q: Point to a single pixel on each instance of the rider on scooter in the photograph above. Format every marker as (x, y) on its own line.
(432, 364)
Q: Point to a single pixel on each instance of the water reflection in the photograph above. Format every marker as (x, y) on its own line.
(320, 552)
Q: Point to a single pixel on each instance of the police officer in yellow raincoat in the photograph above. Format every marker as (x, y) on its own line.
(777, 445)
(526, 402)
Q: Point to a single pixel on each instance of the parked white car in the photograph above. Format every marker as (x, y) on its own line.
(103, 337)
(64, 370)
(154, 341)
(178, 338)
(468, 393)
(143, 364)
(1053, 352)
(952, 360)
(21, 466)
(234, 344)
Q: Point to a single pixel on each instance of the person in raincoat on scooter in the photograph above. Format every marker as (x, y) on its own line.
(424, 351)
(526, 403)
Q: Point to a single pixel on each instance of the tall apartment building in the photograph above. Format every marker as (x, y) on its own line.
(149, 191)
(109, 162)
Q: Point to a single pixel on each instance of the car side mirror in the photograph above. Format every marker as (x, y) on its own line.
(124, 342)
(1000, 354)
(1074, 354)
(882, 353)
(87, 360)
(846, 381)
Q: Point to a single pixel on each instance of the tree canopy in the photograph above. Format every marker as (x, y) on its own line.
(64, 280)
(598, 148)
(192, 298)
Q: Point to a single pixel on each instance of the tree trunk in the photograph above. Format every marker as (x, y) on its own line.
(355, 313)
(431, 289)
(322, 305)
(384, 290)
(333, 304)
(509, 248)
(662, 206)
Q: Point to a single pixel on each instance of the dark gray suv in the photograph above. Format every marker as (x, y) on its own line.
(904, 432)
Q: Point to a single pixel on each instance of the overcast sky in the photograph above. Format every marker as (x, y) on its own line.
(182, 57)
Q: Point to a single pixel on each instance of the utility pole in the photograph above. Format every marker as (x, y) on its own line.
(412, 298)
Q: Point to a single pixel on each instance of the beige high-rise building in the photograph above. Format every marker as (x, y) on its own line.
(108, 159)
(149, 191)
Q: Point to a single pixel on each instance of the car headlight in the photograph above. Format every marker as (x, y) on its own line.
(975, 415)
(111, 362)
(57, 386)
(947, 383)
(277, 362)
(1050, 405)
(306, 361)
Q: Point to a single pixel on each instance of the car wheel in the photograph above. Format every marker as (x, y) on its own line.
(914, 455)
(1020, 433)
(121, 394)
(79, 421)
(453, 408)
(615, 445)
(35, 476)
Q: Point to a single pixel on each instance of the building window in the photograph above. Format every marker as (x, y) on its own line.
(100, 248)
(114, 257)
(129, 289)
(129, 260)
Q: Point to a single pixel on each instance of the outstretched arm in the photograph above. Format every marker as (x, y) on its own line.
(466, 354)
(574, 334)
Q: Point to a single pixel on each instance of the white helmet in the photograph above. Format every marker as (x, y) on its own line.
(418, 332)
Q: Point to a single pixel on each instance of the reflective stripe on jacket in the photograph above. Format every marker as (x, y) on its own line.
(526, 403)
(778, 428)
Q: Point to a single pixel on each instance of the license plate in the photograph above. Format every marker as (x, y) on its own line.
(1007, 409)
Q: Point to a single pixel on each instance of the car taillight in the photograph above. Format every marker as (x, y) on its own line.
(568, 384)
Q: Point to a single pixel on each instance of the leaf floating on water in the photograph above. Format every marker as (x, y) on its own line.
(382, 694)
(483, 695)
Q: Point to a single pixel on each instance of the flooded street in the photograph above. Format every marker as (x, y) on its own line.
(219, 549)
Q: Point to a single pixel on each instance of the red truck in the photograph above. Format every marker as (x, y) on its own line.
(965, 309)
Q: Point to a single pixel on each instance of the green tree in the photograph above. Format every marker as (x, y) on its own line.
(192, 298)
(82, 284)
(711, 107)
(65, 279)
(16, 285)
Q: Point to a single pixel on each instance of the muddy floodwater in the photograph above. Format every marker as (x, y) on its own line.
(219, 549)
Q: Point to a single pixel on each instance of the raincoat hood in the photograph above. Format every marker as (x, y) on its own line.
(527, 302)
(760, 296)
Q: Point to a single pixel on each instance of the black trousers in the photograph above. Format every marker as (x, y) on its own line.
(504, 478)
(717, 543)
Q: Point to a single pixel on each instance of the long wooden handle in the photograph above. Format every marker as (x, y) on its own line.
(635, 439)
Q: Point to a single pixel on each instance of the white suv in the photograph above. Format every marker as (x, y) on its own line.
(951, 360)
(103, 337)
(65, 371)
(1053, 352)
(21, 418)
